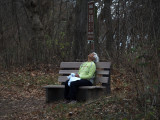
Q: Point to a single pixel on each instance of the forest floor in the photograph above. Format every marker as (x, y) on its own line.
(23, 98)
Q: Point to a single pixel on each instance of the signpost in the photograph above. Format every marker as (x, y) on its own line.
(91, 24)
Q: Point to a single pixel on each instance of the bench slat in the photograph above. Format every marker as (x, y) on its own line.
(54, 86)
(92, 87)
(70, 64)
(82, 87)
(62, 78)
(68, 71)
(101, 72)
(102, 79)
(106, 65)
(98, 79)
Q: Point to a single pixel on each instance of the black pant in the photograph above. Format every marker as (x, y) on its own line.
(71, 91)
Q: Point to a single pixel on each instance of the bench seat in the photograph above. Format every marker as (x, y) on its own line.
(82, 87)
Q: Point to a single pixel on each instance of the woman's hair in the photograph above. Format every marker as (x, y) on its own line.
(96, 57)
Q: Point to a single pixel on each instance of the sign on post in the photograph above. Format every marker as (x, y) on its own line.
(91, 23)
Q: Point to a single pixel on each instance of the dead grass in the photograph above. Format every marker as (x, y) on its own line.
(23, 98)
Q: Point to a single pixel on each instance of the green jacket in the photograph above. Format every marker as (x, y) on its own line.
(87, 70)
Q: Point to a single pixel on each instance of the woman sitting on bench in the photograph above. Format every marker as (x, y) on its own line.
(85, 78)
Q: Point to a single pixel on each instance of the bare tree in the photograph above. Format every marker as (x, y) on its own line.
(109, 30)
(80, 36)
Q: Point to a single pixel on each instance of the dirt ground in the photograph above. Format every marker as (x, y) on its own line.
(13, 103)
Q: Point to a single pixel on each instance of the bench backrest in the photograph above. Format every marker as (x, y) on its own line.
(102, 71)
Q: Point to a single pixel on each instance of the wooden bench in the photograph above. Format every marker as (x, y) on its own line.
(100, 87)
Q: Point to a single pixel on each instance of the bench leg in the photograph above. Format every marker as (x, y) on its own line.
(89, 94)
(108, 85)
(53, 95)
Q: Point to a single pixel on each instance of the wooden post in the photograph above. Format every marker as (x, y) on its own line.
(90, 34)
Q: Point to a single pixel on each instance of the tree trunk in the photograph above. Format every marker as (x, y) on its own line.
(80, 30)
(156, 37)
(108, 21)
(37, 32)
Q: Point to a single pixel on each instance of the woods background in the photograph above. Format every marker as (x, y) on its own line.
(127, 33)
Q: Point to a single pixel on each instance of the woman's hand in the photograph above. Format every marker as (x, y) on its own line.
(76, 75)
